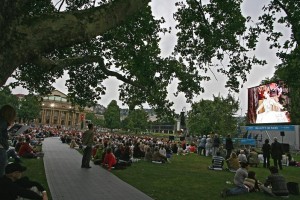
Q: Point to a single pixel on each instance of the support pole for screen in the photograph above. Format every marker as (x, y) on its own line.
(268, 135)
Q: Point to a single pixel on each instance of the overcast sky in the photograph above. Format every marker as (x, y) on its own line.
(166, 8)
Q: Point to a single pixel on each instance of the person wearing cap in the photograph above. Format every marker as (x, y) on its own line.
(11, 189)
(7, 117)
(239, 178)
(276, 153)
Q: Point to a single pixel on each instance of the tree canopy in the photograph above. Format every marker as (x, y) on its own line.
(213, 116)
(136, 120)
(112, 115)
(94, 40)
(30, 108)
(6, 97)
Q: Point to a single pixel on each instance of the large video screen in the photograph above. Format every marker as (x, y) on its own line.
(268, 103)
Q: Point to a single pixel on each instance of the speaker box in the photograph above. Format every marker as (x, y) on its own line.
(285, 148)
(171, 137)
(282, 133)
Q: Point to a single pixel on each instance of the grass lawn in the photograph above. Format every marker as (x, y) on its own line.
(187, 177)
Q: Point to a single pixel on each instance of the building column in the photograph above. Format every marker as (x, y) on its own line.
(52, 117)
(59, 118)
(67, 118)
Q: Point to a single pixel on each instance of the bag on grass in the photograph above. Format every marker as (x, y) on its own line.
(293, 188)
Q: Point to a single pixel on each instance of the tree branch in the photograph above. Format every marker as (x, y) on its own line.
(294, 25)
(41, 35)
(64, 29)
(51, 65)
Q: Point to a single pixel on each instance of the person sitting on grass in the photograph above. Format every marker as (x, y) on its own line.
(162, 150)
(73, 144)
(98, 157)
(11, 153)
(239, 178)
(277, 183)
(217, 162)
(251, 182)
(174, 148)
(157, 157)
(242, 157)
(233, 163)
(11, 188)
(148, 155)
(26, 151)
(126, 153)
(19, 143)
(109, 160)
(192, 148)
(253, 158)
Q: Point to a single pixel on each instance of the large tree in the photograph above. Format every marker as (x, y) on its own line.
(97, 121)
(6, 97)
(120, 38)
(29, 108)
(112, 116)
(215, 115)
(136, 120)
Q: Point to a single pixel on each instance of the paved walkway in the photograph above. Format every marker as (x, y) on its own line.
(68, 181)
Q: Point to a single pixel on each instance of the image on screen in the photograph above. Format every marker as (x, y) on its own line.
(268, 103)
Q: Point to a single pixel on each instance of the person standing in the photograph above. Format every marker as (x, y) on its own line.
(276, 153)
(7, 117)
(87, 142)
(216, 144)
(266, 149)
(208, 146)
(228, 146)
(201, 146)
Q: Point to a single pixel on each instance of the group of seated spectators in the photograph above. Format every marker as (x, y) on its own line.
(127, 149)
(130, 148)
(26, 146)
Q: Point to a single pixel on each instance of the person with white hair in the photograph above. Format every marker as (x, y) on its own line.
(242, 157)
(208, 146)
(276, 153)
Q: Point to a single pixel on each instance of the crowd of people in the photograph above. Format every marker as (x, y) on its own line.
(117, 151)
